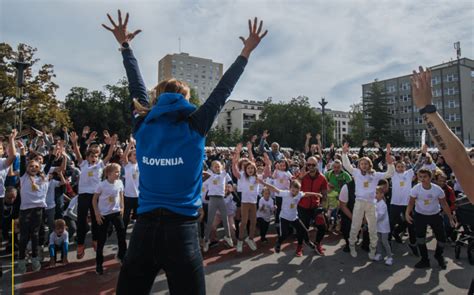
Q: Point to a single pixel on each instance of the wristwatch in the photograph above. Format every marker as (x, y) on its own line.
(125, 46)
(429, 109)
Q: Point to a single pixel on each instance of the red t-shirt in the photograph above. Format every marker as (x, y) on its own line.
(450, 197)
(318, 184)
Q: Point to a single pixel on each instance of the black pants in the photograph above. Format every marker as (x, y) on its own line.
(84, 206)
(307, 215)
(131, 205)
(117, 220)
(278, 202)
(436, 224)
(163, 240)
(301, 233)
(397, 217)
(30, 221)
(345, 227)
(202, 224)
(263, 226)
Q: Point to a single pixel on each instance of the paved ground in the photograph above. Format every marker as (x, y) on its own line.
(264, 272)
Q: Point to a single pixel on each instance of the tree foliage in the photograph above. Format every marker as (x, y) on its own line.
(356, 124)
(221, 138)
(194, 99)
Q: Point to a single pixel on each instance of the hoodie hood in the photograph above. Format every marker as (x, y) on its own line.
(172, 105)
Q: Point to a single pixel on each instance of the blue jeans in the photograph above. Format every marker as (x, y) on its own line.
(163, 240)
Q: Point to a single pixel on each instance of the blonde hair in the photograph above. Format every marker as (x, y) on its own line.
(168, 85)
(59, 223)
(371, 165)
(109, 168)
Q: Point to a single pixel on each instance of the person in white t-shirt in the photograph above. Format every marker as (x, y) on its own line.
(58, 241)
(266, 207)
(427, 199)
(383, 227)
(366, 181)
(231, 208)
(216, 186)
(108, 202)
(281, 180)
(89, 180)
(130, 166)
(289, 216)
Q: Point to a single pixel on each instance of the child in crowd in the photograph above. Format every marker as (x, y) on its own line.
(130, 166)
(108, 202)
(281, 179)
(266, 207)
(58, 241)
(231, 209)
(383, 227)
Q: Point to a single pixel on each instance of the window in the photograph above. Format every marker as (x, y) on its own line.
(391, 99)
(391, 88)
(343, 129)
(407, 133)
(343, 122)
(418, 120)
(405, 86)
(451, 91)
(436, 92)
(451, 77)
(404, 97)
(452, 104)
(435, 80)
(453, 117)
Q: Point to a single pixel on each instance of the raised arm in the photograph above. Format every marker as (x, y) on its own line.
(130, 145)
(306, 143)
(345, 159)
(249, 151)
(270, 187)
(390, 167)
(235, 161)
(11, 148)
(361, 151)
(447, 142)
(75, 148)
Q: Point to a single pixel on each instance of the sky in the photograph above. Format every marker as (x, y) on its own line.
(313, 48)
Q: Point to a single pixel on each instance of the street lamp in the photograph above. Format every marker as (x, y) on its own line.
(323, 104)
(20, 66)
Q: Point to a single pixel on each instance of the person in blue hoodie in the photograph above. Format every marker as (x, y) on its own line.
(170, 135)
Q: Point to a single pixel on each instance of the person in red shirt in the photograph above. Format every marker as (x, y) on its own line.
(308, 208)
(441, 180)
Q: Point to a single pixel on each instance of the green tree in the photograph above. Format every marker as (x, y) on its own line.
(356, 125)
(194, 99)
(220, 137)
(378, 117)
(288, 123)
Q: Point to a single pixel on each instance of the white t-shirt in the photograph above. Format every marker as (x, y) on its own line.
(50, 202)
(90, 176)
(230, 205)
(383, 224)
(58, 241)
(401, 187)
(131, 180)
(282, 180)
(216, 183)
(365, 185)
(344, 194)
(71, 210)
(204, 191)
(265, 209)
(249, 188)
(109, 197)
(289, 205)
(427, 201)
(3, 177)
(33, 195)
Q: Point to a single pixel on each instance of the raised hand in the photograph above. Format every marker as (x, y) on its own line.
(74, 137)
(365, 143)
(421, 86)
(106, 136)
(249, 146)
(120, 31)
(388, 154)
(318, 137)
(308, 136)
(12, 136)
(345, 148)
(254, 38)
(254, 138)
(238, 148)
(424, 148)
(265, 134)
(376, 144)
(85, 131)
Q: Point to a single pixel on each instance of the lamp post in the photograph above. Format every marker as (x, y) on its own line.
(20, 66)
(323, 104)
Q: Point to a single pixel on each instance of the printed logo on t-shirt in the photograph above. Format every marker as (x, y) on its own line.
(111, 199)
(282, 180)
(426, 202)
(292, 206)
(366, 184)
(251, 188)
(402, 183)
(90, 173)
(34, 187)
(215, 182)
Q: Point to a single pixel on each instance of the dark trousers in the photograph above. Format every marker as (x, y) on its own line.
(345, 227)
(30, 221)
(307, 215)
(163, 240)
(301, 233)
(397, 217)
(263, 226)
(84, 206)
(131, 206)
(436, 224)
(117, 221)
(278, 202)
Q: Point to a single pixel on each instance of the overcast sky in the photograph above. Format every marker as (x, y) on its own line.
(313, 48)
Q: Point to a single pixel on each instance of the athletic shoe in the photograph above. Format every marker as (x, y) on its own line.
(99, 270)
(36, 264)
(239, 246)
(299, 250)
(251, 244)
(319, 249)
(346, 248)
(389, 261)
(94, 245)
(21, 267)
(372, 254)
(277, 247)
(40, 253)
(414, 250)
(352, 250)
(80, 251)
(441, 261)
(377, 257)
(423, 263)
(205, 247)
(229, 241)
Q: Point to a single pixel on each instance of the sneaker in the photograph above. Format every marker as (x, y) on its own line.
(319, 249)
(423, 263)
(414, 250)
(372, 254)
(299, 250)
(389, 261)
(21, 268)
(52, 262)
(80, 251)
(377, 257)
(346, 248)
(40, 253)
(205, 247)
(239, 246)
(99, 270)
(251, 244)
(277, 247)
(94, 245)
(35, 264)
(441, 261)
(229, 241)
(352, 250)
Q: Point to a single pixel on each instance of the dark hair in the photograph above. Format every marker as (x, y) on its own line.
(425, 171)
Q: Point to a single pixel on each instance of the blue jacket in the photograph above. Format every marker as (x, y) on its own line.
(170, 141)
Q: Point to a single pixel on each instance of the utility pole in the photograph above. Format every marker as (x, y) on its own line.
(323, 104)
(20, 66)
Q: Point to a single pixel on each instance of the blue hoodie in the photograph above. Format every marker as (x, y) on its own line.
(170, 141)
